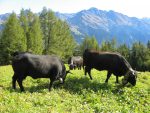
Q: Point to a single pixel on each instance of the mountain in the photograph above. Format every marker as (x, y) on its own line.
(3, 18)
(104, 25)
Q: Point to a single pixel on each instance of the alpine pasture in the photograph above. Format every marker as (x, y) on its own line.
(79, 94)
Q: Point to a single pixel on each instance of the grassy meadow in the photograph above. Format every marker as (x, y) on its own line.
(79, 94)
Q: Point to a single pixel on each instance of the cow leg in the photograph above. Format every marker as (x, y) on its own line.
(89, 72)
(20, 84)
(87, 69)
(117, 80)
(80, 67)
(50, 85)
(108, 76)
(14, 78)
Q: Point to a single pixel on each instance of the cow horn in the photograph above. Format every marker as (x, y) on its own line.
(137, 72)
(134, 72)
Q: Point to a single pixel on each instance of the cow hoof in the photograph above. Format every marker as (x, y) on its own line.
(116, 82)
(106, 82)
(22, 90)
(49, 90)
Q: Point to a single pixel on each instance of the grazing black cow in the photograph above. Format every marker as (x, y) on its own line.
(75, 61)
(112, 62)
(37, 66)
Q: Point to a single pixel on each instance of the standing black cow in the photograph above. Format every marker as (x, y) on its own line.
(75, 62)
(112, 62)
(37, 66)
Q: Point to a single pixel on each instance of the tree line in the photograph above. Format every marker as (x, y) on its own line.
(44, 33)
(138, 55)
(37, 33)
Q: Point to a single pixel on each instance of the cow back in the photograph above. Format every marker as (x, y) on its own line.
(112, 62)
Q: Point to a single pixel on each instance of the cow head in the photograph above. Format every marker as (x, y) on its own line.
(62, 79)
(71, 66)
(130, 77)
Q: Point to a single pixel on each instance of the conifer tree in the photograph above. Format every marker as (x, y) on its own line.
(30, 18)
(138, 56)
(124, 50)
(148, 44)
(24, 23)
(89, 43)
(61, 41)
(109, 45)
(13, 38)
(56, 35)
(48, 20)
(35, 42)
(44, 26)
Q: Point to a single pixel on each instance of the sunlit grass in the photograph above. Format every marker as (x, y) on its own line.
(79, 94)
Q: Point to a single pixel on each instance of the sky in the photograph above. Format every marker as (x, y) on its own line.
(132, 8)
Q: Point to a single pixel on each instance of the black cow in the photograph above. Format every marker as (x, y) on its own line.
(112, 62)
(75, 61)
(37, 66)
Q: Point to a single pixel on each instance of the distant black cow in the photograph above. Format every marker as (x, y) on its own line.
(37, 66)
(75, 62)
(112, 62)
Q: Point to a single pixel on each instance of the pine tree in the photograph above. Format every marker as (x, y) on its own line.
(124, 50)
(147, 61)
(56, 35)
(35, 42)
(148, 44)
(61, 41)
(13, 38)
(30, 18)
(24, 22)
(48, 20)
(89, 43)
(109, 45)
(44, 26)
(138, 56)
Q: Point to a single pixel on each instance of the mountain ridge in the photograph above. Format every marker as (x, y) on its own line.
(104, 25)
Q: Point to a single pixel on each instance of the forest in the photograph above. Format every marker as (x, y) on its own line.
(44, 33)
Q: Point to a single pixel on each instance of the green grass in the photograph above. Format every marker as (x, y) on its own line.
(79, 94)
